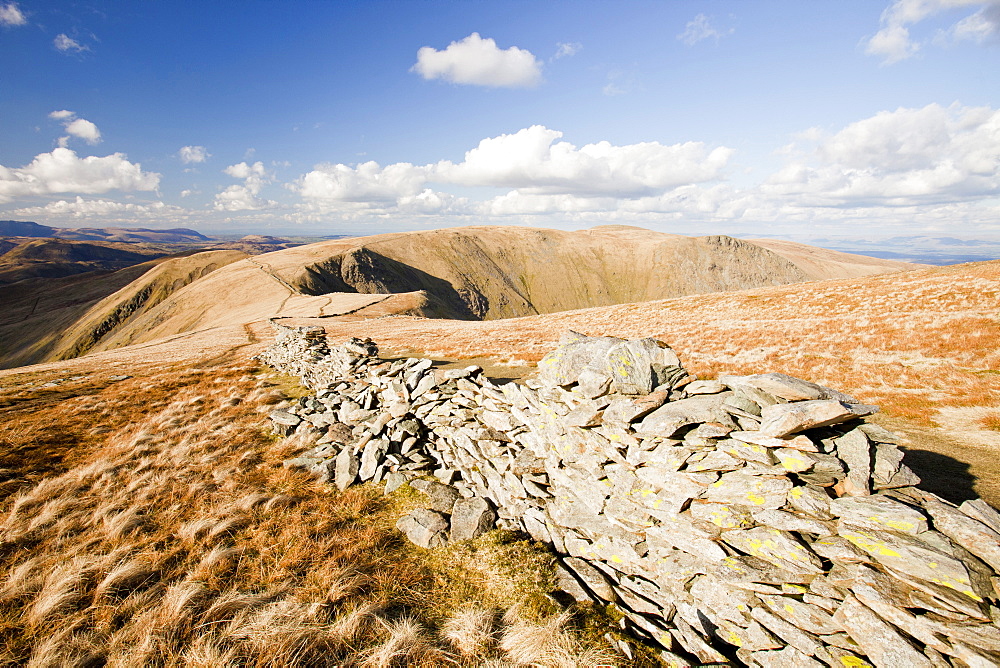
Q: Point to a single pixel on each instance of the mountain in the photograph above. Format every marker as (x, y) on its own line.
(14, 228)
(475, 273)
(131, 235)
(53, 258)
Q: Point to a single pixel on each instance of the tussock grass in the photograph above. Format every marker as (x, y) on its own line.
(151, 523)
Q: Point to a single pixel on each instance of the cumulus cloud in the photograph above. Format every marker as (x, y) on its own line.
(11, 15)
(894, 43)
(98, 208)
(479, 62)
(541, 173)
(245, 197)
(66, 44)
(367, 182)
(63, 171)
(533, 160)
(699, 29)
(76, 127)
(85, 130)
(193, 154)
(904, 157)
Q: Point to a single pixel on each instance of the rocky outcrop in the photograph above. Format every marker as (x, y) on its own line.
(755, 520)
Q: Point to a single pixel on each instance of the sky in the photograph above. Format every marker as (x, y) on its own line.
(871, 118)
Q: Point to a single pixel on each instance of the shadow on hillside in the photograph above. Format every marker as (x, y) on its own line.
(945, 476)
(367, 272)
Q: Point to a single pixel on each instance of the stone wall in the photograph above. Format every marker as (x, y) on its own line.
(751, 519)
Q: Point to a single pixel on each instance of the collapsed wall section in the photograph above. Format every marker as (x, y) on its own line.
(751, 519)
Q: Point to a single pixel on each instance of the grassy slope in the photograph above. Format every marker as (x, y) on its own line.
(49, 318)
(149, 521)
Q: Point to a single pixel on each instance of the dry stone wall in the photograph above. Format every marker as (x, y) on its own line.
(754, 520)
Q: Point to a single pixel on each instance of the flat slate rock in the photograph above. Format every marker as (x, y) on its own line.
(666, 420)
(786, 419)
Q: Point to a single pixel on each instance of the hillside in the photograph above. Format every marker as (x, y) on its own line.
(42, 316)
(55, 258)
(463, 273)
(14, 228)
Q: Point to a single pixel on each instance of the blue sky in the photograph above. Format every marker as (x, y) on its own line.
(752, 117)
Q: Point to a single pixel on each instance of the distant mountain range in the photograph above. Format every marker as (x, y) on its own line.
(917, 248)
(16, 228)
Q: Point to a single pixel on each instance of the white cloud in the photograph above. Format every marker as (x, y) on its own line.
(981, 27)
(11, 15)
(245, 197)
(894, 43)
(65, 43)
(543, 175)
(77, 127)
(900, 158)
(62, 171)
(532, 160)
(477, 61)
(699, 29)
(566, 49)
(193, 154)
(85, 130)
(367, 182)
(98, 208)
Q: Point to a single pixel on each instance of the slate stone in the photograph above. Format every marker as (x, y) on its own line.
(704, 387)
(441, 497)
(591, 578)
(787, 419)
(879, 640)
(779, 548)
(908, 554)
(470, 518)
(801, 640)
(971, 534)
(879, 512)
(979, 510)
(592, 383)
(800, 442)
(424, 528)
(631, 364)
(283, 422)
(666, 420)
(789, 657)
(565, 581)
(779, 519)
(855, 449)
(785, 387)
(576, 351)
(794, 461)
(624, 410)
(371, 456)
(740, 488)
(812, 501)
(807, 617)
(722, 515)
(346, 468)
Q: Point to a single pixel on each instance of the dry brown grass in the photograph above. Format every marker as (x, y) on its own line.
(991, 421)
(149, 522)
